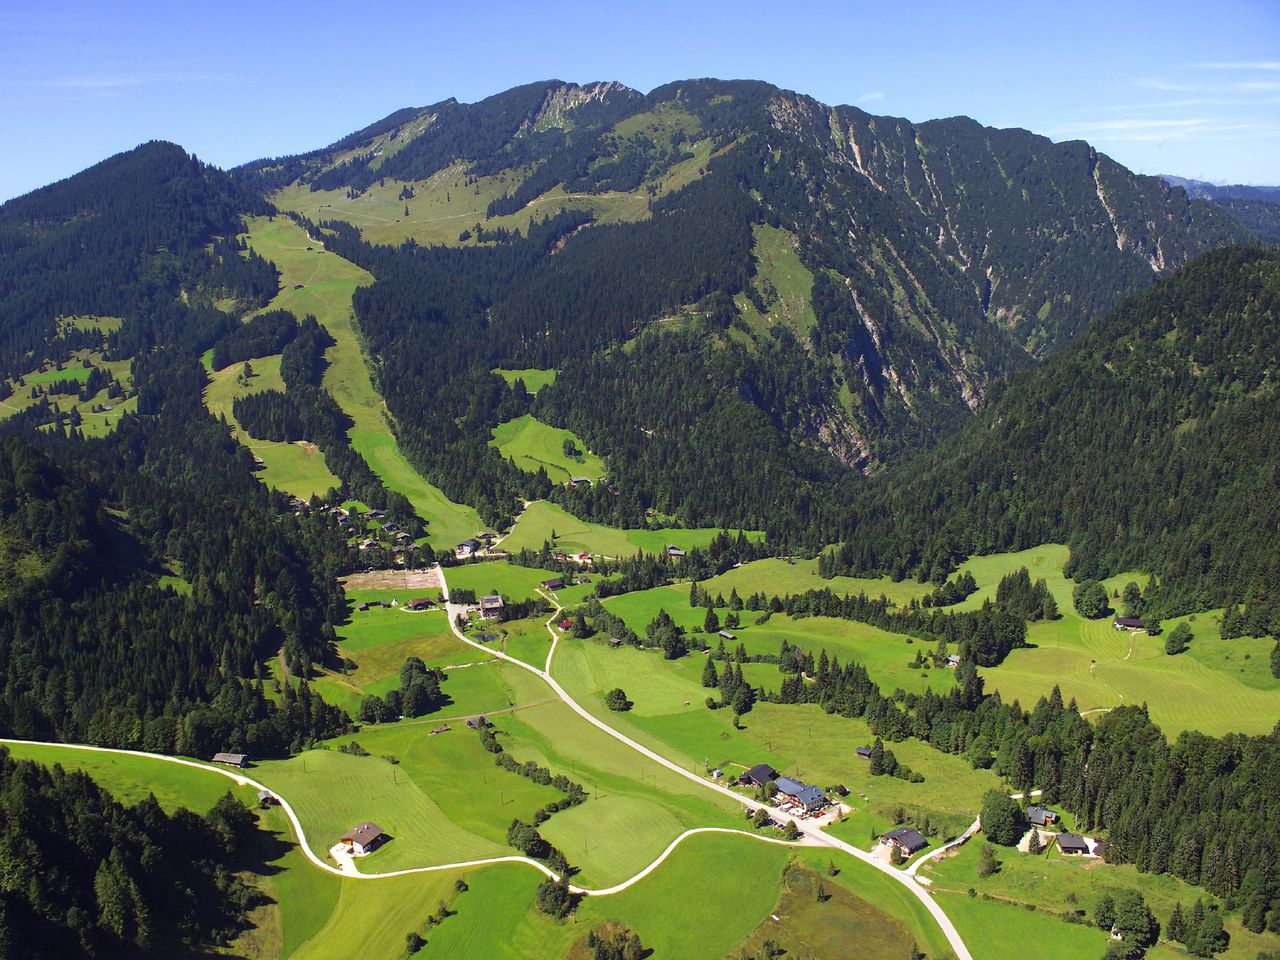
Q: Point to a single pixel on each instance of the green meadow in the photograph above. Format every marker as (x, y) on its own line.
(544, 521)
(782, 281)
(1218, 686)
(93, 423)
(131, 778)
(297, 468)
(533, 445)
(328, 282)
(508, 579)
(1052, 884)
(534, 379)
(669, 715)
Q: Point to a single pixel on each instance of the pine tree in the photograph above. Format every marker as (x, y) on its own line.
(1175, 929)
(709, 676)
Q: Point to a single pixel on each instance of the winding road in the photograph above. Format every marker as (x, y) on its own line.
(812, 832)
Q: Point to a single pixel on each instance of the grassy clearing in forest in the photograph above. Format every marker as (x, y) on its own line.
(533, 445)
(534, 379)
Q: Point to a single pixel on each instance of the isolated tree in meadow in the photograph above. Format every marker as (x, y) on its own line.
(744, 698)
(987, 862)
(1001, 819)
(1179, 640)
(554, 898)
(616, 699)
(1091, 600)
(735, 601)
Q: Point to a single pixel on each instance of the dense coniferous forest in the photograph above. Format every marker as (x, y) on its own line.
(122, 239)
(86, 876)
(1149, 443)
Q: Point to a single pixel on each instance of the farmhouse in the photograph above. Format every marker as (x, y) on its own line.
(560, 556)
(864, 753)
(802, 794)
(491, 607)
(232, 759)
(953, 661)
(758, 776)
(266, 798)
(1072, 844)
(1128, 623)
(468, 548)
(584, 559)
(488, 536)
(421, 603)
(1041, 817)
(479, 723)
(555, 583)
(674, 551)
(906, 839)
(580, 481)
(363, 838)
(727, 635)
(615, 641)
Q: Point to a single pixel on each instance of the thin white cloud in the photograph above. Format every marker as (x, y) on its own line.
(1162, 129)
(873, 97)
(89, 83)
(1240, 65)
(1259, 85)
(1182, 104)
(1153, 83)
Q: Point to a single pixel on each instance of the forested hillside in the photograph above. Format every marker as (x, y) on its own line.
(1149, 444)
(88, 877)
(939, 257)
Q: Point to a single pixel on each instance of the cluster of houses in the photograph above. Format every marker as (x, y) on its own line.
(791, 795)
(582, 559)
(1069, 844)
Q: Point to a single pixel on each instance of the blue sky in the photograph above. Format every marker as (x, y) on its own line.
(1176, 87)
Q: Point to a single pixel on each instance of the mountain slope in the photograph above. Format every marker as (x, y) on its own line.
(1149, 444)
(942, 254)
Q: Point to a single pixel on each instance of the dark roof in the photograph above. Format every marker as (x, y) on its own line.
(761, 773)
(1072, 842)
(553, 584)
(1041, 815)
(472, 544)
(788, 785)
(493, 600)
(909, 838)
(864, 753)
(363, 833)
(475, 723)
(1130, 622)
(235, 759)
(811, 797)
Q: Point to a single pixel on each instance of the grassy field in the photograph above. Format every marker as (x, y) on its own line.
(783, 282)
(772, 576)
(296, 468)
(541, 519)
(328, 283)
(670, 716)
(533, 445)
(534, 379)
(332, 791)
(93, 423)
(1054, 884)
(1212, 687)
(804, 926)
(508, 579)
(131, 779)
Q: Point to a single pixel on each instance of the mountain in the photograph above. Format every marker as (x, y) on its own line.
(1216, 191)
(1256, 208)
(846, 287)
(1147, 444)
